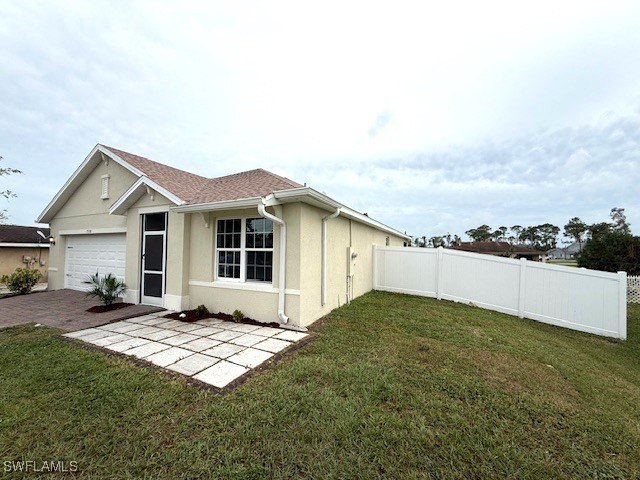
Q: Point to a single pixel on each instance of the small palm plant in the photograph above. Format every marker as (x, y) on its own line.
(107, 288)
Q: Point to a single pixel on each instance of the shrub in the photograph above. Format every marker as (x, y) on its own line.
(107, 288)
(612, 252)
(201, 310)
(237, 315)
(22, 280)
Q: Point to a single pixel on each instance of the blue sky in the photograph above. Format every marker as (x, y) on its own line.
(431, 118)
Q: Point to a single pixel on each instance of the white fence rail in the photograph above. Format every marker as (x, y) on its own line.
(633, 289)
(586, 300)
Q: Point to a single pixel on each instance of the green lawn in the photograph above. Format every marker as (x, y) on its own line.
(392, 386)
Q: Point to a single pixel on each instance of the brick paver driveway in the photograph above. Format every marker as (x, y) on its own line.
(64, 309)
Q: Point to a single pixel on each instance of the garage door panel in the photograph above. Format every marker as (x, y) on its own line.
(88, 254)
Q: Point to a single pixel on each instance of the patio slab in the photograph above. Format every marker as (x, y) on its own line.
(212, 351)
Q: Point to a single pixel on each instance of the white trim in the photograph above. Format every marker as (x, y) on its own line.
(176, 303)
(147, 299)
(52, 269)
(124, 202)
(26, 245)
(301, 194)
(49, 212)
(243, 252)
(93, 231)
(249, 286)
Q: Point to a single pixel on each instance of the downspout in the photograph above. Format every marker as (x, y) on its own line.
(283, 258)
(324, 254)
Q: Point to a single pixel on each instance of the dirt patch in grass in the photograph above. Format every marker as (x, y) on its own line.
(193, 316)
(108, 308)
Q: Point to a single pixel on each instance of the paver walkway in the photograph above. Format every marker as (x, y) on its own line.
(64, 309)
(210, 350)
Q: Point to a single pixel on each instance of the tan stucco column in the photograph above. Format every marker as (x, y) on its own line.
(178, 252)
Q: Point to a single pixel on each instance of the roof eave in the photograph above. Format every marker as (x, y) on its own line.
(77, 178)
(300, 194)
(135, 191)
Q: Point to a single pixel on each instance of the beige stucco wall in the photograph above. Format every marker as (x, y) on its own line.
(11, 258)
(86, 210)
(341, 233)
(260, 305)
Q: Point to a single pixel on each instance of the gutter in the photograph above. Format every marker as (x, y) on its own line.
(324, 253)
(283, 258)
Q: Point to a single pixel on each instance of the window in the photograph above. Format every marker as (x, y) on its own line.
(244, 249)
(104, 187)
(229, 248)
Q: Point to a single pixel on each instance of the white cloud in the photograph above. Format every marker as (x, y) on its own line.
(433, 116)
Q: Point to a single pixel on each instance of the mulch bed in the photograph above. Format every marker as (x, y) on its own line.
(108, 308)
(192, 316)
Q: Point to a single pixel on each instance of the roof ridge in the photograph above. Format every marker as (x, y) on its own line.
(259, 169)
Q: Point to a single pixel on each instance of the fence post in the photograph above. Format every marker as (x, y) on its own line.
(375, 267)
(439, 252)
(521, 291)
(622, 309)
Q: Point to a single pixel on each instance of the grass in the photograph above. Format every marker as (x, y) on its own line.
(393, 386)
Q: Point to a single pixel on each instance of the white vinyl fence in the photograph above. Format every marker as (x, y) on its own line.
(633, 289)
(586, 300)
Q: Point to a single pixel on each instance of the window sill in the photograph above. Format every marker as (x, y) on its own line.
(249, 286)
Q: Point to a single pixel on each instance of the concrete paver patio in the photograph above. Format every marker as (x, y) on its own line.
(212, 351)
(66, 309)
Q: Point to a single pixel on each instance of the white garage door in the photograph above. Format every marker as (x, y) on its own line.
(88, 254)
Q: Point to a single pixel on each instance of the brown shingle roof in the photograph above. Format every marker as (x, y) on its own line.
(193, 188)
(496, 248)
(20, 234)
(182, 184)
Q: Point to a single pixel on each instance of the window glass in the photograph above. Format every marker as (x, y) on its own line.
(259, 265)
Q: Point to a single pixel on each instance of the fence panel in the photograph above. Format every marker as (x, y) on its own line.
(633, 289)
(586, 300)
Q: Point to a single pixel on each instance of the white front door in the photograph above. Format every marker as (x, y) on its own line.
(88, 254)
(154, 258)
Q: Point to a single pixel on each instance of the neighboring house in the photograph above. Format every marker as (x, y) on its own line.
(254, 241)
(23, 246)
(565, 253)
(502, 249)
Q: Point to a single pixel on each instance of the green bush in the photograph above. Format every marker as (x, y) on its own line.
(201, 310)
(612, 252)
(107, 288)
(237, 315)
(22, 280)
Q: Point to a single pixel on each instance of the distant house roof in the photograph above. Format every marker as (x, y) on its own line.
(16, 235)
(497, 248)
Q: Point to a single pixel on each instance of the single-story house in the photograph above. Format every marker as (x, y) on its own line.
(22, 247)
(565, 253)
(502, 249)
(254, 241)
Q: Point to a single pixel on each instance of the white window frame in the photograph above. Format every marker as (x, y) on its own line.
(104, 186)
(243, 253)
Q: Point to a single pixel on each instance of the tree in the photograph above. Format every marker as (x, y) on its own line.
(517, 231)
(598, 229)
(436, 242)
(612, 251)
(619, 218)
(499, 234)
(548, 234)
(6, 193)
(576, 229)
(480, 234)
